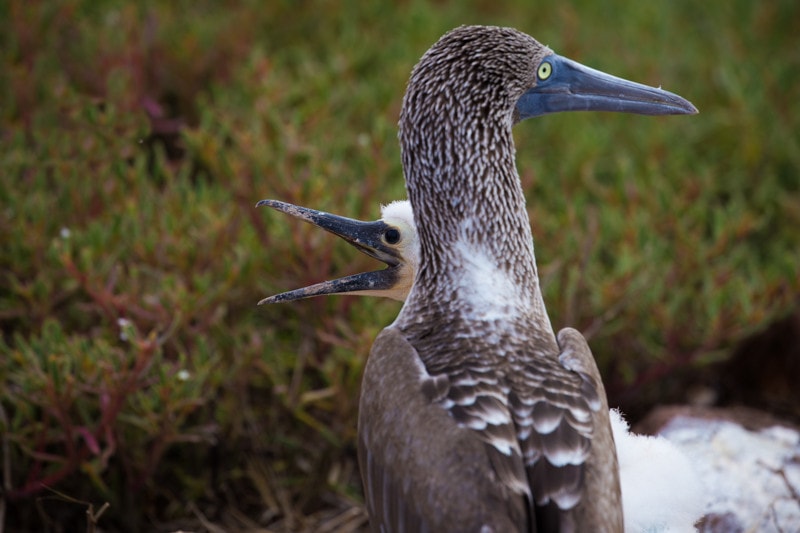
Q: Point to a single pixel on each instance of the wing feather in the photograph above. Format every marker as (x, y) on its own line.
(421, 469)
(474, 449)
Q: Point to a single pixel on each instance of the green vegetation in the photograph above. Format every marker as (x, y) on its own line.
(135, 140)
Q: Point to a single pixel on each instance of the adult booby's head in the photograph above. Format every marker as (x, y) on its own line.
(392, 240)
(462, 98)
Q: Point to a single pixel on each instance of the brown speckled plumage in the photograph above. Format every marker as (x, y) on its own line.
(527, 462)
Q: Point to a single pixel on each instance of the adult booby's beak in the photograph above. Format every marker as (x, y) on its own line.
(367, 237)
(565, 85)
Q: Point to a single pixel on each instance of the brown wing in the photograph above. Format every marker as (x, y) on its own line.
(602, 510)
(421, 470)
(526, 406)
(554, 413)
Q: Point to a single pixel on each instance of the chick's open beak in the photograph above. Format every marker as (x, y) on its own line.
(367, 237)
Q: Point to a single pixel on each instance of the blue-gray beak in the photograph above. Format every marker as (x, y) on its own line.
(364, 236)
(565, 85)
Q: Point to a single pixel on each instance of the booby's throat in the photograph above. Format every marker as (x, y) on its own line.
(461, 177)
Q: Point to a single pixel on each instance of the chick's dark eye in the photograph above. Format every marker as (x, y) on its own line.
(392, 236)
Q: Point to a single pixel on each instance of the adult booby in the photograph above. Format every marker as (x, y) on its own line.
(472, 416)
(661, 490)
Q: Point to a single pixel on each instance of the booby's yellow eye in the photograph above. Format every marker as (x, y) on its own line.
(545, 69)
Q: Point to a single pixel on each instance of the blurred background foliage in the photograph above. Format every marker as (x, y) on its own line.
(135, 139)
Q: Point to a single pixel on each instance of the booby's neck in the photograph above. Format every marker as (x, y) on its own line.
(476, 248)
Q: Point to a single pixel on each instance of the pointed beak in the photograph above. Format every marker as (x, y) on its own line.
(565, 85)
(367, 237)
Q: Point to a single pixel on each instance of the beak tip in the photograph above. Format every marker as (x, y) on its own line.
(686, 107)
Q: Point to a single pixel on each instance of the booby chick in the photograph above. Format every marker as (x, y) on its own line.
(392, 240)
(661, 490)
(473, 415)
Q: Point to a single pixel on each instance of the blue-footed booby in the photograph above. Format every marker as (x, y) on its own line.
(661, 489)
(473, 415)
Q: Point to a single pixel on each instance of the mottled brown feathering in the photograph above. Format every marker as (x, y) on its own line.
(473, 416)
(503, 403)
